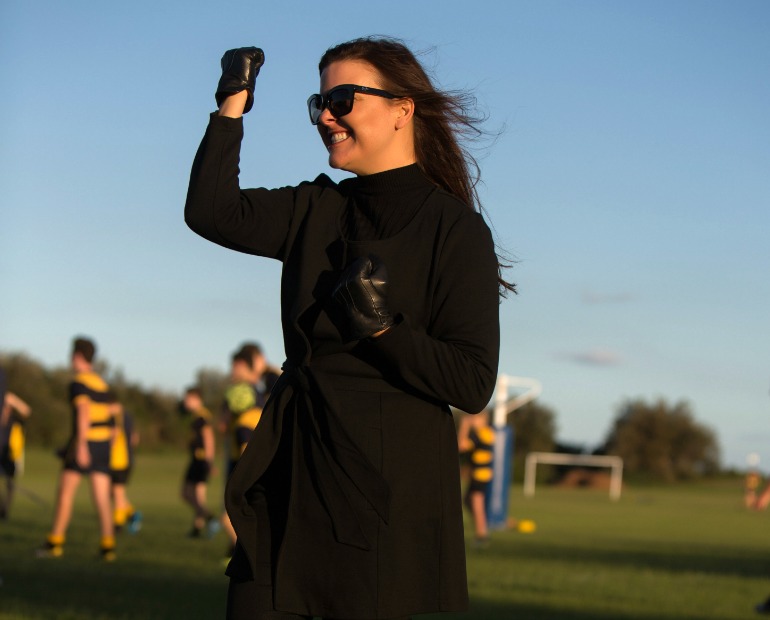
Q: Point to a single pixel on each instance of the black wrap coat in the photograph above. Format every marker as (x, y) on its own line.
(373, 517)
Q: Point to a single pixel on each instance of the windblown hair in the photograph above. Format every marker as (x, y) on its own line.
(443, 120)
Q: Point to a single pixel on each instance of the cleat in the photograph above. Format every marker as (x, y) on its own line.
(134, 522)
(212, 527)
(49, 551)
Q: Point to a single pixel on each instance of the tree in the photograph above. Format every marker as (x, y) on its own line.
(212, 383)
(534, 430)
(46, 393)
(662, 441)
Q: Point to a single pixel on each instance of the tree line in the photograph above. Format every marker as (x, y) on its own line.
(656, 439)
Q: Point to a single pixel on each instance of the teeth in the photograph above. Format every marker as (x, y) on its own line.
(338, 137)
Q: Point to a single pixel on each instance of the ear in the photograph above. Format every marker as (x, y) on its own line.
(404, 112)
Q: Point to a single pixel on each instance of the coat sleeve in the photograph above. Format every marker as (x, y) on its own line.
(455, 360)
(254, 221)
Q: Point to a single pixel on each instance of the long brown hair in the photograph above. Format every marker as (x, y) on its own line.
(443, 120)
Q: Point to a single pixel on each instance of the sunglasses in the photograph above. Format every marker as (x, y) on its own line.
(339, 100)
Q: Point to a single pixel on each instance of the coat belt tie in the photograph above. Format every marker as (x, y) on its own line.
(333, 456)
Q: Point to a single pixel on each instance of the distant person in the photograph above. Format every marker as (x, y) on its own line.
(241, 407)
(124, 443)
(476, 437)
(763, 499)
(13, 416)
(86, 453)
(751, 486)
(263, 375)
(242, 412)
(202, 451)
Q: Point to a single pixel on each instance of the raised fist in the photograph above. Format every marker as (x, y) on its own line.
(240, 68)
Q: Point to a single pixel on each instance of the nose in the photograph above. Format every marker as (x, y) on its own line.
(326, 116)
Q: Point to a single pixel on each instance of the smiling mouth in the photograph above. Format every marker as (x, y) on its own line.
(335, 138)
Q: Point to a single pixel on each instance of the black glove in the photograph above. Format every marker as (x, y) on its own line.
(362, 292)
(240, 68)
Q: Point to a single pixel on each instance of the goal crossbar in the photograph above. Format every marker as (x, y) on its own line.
(615, 463)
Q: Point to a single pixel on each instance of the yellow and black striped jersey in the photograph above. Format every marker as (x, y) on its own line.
(121, 452)
(90, 388)
(12, 436)
(481, 456)
(201, 419)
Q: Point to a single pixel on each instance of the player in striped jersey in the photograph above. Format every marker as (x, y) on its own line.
(241, 413)
(202, 449)
(121, 465)
(13, 416)
(476, 437)
(87, 453)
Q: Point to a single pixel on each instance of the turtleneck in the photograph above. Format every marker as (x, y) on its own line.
(382, 204)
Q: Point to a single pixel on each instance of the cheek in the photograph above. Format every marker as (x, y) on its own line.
(376, 136)
(368, 128)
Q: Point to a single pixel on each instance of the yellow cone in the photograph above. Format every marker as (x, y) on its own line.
(526, 526)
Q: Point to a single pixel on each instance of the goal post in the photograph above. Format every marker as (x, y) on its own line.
(615, 463)
(502, 452)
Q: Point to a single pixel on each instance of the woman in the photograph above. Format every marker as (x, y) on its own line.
(347, 499)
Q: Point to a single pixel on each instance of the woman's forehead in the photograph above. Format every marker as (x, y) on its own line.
(349, 72)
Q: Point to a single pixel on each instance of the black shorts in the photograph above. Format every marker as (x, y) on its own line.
(100, 458)
(477, 486)
(197, 472)
(120, 476)
(7, 466)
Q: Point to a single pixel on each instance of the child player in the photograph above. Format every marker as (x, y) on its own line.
(87, 453)
(201, 458)
(121, 465)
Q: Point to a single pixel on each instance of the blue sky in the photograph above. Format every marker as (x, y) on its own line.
(631, 181)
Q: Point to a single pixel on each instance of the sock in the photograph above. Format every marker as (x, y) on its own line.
(119, 517)
(54, 541)
(108, 543)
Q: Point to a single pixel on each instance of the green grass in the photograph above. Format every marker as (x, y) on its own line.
(660, 553)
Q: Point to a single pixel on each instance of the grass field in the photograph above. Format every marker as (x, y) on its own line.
(660, 553)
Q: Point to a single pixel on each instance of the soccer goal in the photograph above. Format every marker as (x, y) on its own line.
(615, 463)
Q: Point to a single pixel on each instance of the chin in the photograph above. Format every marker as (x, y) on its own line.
(338, 164)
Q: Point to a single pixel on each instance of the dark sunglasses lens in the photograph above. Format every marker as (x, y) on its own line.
(340, 101)
(314, 108)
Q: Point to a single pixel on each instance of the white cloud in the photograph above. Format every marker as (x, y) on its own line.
(594, 357)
